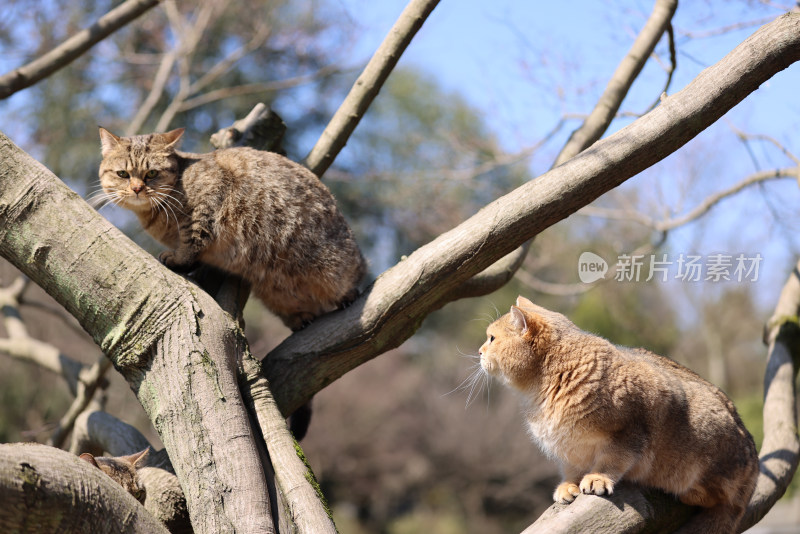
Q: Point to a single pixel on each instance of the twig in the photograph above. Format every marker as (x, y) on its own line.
(73, 48)
(700, 210)
(367, 86)
(627, 71)
(89, 380)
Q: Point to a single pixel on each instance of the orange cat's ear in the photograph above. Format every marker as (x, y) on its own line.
(522, 302)
(519, 320)
(171, 138)
(108, 141)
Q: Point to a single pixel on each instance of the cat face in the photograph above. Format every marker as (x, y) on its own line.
(140, 172)
(515, 345)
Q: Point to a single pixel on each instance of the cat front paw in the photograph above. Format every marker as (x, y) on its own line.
(170, 260)
(596, 484)
(566, 492)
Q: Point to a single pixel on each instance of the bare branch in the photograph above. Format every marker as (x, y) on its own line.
(627, 71)
(73, 48)
(391, 310)
(700, 210)
(367, 86)
(89, 380)
(294, 476)
(49, 490)
(780, 450)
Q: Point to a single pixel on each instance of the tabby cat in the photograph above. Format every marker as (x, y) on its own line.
(122, 469)
(607, 413)
(252, 213)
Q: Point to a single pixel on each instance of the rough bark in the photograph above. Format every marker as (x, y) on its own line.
(170, 340)
(395, 305)
(47, 491)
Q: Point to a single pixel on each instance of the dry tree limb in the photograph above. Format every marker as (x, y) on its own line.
(97, 432)
(367, 86)
(45, 490)
(397, 302)
(307, 508)
(701, 209)
(72, 48)
(627, 71)
(780, 450)
(89, 380)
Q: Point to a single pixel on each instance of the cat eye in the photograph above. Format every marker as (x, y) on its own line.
(151, 173)
(123, 174)
(491, 338)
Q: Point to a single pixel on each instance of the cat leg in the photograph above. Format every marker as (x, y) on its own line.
(609, 467)
(568, 489)
(195, 235)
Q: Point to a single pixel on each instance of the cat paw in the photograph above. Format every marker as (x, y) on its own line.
(169, 259)
(595, 484)
(566, 492)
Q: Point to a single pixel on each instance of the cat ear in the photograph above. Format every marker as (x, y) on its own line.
(171, 138)
(138, 459)
(108, 141)
(522, 302)
(86, 457)
(518, 320)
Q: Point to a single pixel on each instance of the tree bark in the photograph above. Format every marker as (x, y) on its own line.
(395, 305)
(169, 339)
(49, 491)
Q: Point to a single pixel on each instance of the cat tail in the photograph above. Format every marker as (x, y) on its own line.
(299, 421)
(721, 519)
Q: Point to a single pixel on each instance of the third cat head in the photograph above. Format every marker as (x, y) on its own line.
(139, 172)
(518, 342)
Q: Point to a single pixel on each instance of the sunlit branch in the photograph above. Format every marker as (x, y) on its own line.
(621, 81)
(367, 86)
(73, 48)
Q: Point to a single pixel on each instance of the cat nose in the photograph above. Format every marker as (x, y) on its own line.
(136, 188)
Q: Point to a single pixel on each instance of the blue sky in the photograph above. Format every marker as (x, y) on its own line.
(524, 64)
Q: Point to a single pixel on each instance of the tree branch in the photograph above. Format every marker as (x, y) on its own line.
(47, 490)
(367, 86)
(394, 306)
(73, 48)
(174, 345)
(627, 71)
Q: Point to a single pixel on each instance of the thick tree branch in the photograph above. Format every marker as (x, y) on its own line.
(395, 305)
(45, 490)
(627, 71)
(72, 48)
(367, 86)
(177, 349)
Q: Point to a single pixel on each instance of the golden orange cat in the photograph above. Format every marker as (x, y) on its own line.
(607, 413)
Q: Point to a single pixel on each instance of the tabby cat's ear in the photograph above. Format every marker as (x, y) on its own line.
(137, 460)
(171, 138)
(89, 458)
(108, 141)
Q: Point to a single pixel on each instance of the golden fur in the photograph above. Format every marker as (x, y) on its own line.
(607, 413)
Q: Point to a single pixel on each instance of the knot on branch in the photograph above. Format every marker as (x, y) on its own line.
(262, 129)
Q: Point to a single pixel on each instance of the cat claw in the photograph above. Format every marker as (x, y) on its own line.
(566, 492)
(594, 484)
(167, 258)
